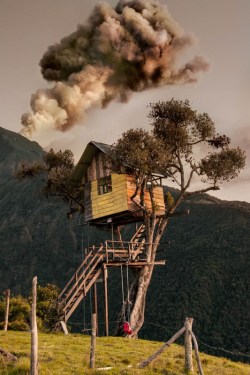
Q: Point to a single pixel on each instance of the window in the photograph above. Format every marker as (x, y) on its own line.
(104, 185)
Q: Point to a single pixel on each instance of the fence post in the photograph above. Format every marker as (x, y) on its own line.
(34, 335)
(93, 341)
(196, 351)
(188, 345)
(7, 308)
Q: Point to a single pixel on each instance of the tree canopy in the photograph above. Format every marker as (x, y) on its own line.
(182, 146)
(55, 170)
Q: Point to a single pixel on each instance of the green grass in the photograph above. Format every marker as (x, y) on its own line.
(69, 355)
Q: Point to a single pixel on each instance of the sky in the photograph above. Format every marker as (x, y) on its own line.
(222, 27)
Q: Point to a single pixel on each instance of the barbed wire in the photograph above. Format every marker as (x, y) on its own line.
(166, 329)
(222, 349)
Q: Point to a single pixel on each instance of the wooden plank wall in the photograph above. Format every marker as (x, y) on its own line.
(109, 203)
(97, 168)
(158, 193)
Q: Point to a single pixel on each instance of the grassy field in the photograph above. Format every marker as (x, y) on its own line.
(69, 355)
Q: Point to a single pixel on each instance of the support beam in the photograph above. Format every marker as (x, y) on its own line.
(135, 264)
(64, 327)
(95, 306)
(105, 286)
(93, 341)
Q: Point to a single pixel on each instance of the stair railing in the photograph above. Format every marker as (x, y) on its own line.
(83, 285)
(79, 275)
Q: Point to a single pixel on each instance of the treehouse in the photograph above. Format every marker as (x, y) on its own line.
(107, 195)
(108, 204)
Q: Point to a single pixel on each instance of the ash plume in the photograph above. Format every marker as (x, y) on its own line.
(117, 52)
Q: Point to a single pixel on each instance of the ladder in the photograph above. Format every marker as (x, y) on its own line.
(80, 283)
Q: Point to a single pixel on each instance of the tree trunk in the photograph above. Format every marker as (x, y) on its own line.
(139, 298)
(141, 281)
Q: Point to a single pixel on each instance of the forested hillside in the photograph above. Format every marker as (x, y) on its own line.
(207, 256)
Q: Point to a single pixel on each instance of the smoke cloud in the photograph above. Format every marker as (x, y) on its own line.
(117, 52)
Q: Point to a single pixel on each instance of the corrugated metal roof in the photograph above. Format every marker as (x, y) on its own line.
(80, 169)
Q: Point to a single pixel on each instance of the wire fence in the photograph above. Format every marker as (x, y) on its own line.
(214, 348)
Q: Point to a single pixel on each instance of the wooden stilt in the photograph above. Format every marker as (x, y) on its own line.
(95, 307)
(64, 327)
(93, 341)
(106, 318)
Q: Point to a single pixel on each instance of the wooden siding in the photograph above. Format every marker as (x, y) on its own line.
(97, 168)
(108, 204)
(158, 194)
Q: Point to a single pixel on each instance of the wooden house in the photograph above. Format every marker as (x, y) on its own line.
(107, 195)
(107, 205)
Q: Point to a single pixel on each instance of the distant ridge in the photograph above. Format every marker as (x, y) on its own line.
(14, 147)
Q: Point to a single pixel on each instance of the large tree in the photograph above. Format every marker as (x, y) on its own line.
(185, 149)
(182, 146)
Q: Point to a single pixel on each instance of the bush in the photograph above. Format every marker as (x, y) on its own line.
(20, 307)
(19, 314)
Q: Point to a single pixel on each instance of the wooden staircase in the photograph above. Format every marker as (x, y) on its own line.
(138, 240)
(80, 283)
(113, 253)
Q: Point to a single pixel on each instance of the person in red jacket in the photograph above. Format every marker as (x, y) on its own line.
(126, 328)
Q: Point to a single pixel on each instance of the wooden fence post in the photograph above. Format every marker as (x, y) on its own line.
(188, 345)
(8, 355)
(7, 308)
(34, 335)
(93, 341)
(162, 348)
(196, 351)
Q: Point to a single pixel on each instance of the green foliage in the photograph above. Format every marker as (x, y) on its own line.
(223, 166)
(179, 125)
(46, 305)
(171, 149)
(20, 307)
(169, 200)
(19, 313)
(138, 152)
(56, 169)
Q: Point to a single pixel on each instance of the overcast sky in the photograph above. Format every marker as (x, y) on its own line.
(28, 27)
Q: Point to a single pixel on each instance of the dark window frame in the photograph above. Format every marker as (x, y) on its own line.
(104, 185)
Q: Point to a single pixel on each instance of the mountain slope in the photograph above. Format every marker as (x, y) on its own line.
(207, 256)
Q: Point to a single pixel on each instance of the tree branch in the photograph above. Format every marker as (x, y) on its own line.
(202, 190)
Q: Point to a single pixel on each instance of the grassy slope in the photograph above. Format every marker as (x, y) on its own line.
(67, 355)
